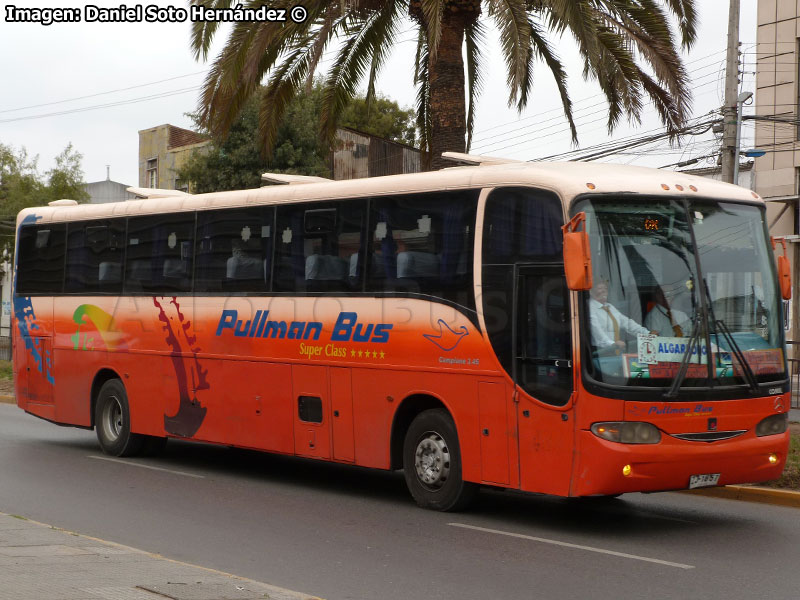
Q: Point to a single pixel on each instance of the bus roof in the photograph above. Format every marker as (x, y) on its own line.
(567, 179)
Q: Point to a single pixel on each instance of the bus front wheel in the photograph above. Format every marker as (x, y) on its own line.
(112, 419)
(432, 463)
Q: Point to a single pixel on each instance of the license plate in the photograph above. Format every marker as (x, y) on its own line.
(696, 481)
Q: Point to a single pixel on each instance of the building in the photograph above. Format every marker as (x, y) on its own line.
(746, 175)
(777, 173)
(101, 192)
(162, 151)
(356, 154)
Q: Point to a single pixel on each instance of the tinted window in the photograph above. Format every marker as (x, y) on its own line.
(159, 254)
(318, 247)
(40, 259)
(423, 244)
(234, 250)
(95, 253)
(522, 225)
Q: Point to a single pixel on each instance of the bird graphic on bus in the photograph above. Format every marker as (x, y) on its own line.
(447, 339)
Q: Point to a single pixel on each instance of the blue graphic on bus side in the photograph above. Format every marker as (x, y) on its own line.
(26, 323)
(447, 339)
(346, 329)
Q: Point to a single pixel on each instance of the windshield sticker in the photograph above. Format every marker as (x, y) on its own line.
(655, 349)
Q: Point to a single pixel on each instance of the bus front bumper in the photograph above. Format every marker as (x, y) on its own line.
(607, 468)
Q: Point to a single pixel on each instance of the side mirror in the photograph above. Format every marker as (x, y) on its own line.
(577, 254)
(784, 271)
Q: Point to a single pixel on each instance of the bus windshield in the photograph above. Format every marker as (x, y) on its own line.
(683, 289)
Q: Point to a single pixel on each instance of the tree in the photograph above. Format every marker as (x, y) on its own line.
(66, 179)
(626, 45)
(235, 161)
(21, 186)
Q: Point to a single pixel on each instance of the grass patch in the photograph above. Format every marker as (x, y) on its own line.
(5, 369)
(790, 480)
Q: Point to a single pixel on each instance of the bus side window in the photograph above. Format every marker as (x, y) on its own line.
(160, 254)
(318, 247)
(423, 244)
(95, 251)
(234, 250)
(40, 259)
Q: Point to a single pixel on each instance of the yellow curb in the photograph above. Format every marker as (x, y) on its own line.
(7, 399)
(751, 493)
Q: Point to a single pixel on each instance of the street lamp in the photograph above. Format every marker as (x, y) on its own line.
(743, 97)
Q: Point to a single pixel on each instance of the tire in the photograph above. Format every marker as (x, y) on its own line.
(432, 463)
(112, 419)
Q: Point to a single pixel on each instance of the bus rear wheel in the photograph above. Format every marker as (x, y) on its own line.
(112, 419)
(432, 463)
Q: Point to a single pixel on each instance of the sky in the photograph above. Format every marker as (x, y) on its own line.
(95, 85)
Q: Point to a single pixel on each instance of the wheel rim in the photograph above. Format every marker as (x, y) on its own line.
(112, 418)
(432, 461)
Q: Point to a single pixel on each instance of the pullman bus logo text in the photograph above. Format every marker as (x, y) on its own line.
(346, 329)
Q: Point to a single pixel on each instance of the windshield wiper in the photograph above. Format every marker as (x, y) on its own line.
(720, 325)
(737, 352)
(681, 375)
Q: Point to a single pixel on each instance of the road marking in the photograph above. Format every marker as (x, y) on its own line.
(576, 546)
(133, 464)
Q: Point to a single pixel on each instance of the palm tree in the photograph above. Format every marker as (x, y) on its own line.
(628, 46)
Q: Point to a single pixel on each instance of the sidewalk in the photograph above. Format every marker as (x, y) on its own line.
(38, 561)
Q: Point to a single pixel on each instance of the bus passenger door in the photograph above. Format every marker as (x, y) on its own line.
(312, 429)
(543, 375)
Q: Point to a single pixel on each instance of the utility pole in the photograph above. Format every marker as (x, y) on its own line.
(729, 110)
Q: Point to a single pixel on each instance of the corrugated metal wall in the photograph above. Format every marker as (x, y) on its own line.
(359, 155)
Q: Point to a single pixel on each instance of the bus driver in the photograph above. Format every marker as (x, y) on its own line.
(608, 322)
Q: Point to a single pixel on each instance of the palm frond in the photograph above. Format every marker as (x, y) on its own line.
(432, 11)
(203, 31)
(474, 37)
(423, 103)
(687, 20)
(545, 52)
(367, 38)
(511, 19)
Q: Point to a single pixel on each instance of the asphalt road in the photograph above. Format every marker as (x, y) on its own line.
(342, 532)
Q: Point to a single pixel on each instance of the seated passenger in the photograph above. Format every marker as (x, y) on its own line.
(607, 322)
(664, 320)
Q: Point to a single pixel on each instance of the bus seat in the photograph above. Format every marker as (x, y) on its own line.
(377, 270)
(109, 272)
(413, 264)
(174, 267)
(245, 267)
(139, 270)
(322, 267)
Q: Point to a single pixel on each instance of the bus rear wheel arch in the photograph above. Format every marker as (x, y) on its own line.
(432, 463)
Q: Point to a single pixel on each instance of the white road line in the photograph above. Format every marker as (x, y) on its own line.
(133, 464)
(576, 546)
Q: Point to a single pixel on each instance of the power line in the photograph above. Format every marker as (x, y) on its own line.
(133, 87)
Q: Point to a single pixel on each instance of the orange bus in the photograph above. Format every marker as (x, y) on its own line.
(423, 322)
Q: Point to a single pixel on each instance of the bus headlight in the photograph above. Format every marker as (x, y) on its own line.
(627, 432)
(772, 425)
